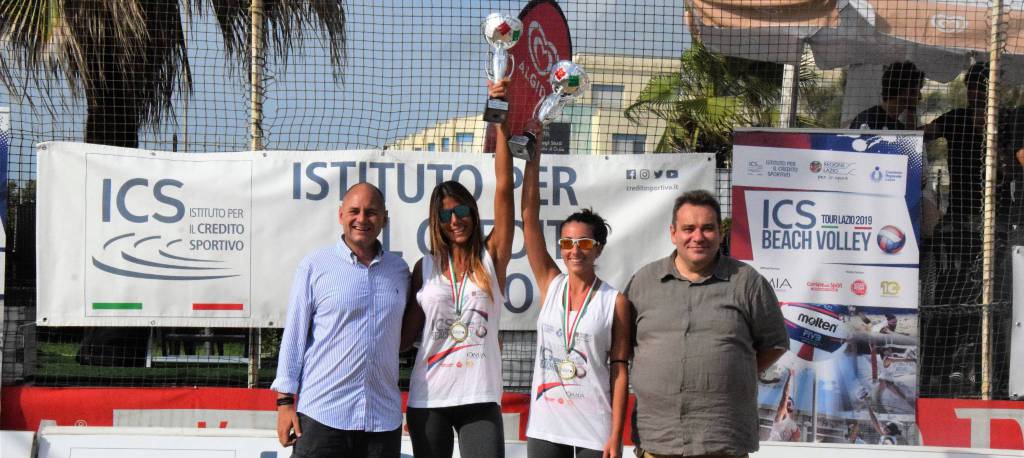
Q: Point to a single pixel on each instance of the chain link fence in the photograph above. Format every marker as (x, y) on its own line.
(667, 76)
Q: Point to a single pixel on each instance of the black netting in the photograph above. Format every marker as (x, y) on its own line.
(667, 76)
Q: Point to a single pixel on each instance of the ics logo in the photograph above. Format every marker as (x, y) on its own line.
(891, 239)
(815, 166)
(816, 331)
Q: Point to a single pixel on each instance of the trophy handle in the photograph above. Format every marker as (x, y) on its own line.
(511, 67)
(488, 65)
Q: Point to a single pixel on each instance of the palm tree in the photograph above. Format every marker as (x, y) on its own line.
(710, 96)
(127, 57)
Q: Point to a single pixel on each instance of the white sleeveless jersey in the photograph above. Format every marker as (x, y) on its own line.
(449, 373)
(576, 412)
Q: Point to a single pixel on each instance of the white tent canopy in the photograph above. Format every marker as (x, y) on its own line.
(942, 38)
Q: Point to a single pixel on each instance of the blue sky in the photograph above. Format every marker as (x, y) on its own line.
(410, 65)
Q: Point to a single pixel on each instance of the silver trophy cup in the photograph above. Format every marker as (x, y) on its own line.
(501, 31)
(569, 81)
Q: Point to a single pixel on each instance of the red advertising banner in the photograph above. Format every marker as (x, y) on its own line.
(971, 423)
(545, 41)
(23, 408)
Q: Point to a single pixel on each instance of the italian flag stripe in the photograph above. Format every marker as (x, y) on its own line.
(117, 305)
(214, 306)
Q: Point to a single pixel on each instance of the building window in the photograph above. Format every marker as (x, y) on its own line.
(628, 143)
(608, 95)
(446, 144)
(431, 147)
(464, 142)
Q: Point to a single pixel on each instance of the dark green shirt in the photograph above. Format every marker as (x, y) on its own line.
(695, 361)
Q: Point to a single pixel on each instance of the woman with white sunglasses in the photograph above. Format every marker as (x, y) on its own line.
(580, 376)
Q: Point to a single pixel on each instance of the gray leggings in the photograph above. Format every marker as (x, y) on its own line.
(478, 425)
(540, 448)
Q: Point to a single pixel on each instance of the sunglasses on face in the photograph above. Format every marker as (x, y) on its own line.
(567, 243)
(445, 215)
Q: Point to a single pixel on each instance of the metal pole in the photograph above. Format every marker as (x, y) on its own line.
(254, 356)
(256, 76)
(988, 217)
(790, 90)
(814, 406)
(256, 134)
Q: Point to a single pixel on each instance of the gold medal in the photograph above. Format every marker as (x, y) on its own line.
(459, 332)
(566, 369)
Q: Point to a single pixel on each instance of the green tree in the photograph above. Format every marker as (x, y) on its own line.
(712, 95)
(127, 57)
(822, 103)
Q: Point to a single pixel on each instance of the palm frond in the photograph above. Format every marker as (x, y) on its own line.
(288, 23)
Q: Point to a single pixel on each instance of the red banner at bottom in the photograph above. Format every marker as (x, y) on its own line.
(971, 423)
(23, 408)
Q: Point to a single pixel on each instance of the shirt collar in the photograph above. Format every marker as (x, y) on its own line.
(347, 253)
(668, 269)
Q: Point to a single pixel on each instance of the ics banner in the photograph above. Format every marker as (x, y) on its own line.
(146, 238)
(831, 220)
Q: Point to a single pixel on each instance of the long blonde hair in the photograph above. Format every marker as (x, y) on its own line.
(440, 246)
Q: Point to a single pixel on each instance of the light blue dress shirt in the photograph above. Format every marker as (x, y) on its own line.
(339, 351)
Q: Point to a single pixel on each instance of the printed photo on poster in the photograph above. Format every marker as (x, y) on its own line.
(850, 376)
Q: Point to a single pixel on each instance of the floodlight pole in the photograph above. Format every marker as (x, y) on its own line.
(256, 134)
(988, 215)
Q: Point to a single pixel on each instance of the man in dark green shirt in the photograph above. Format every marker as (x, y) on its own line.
(704, 325)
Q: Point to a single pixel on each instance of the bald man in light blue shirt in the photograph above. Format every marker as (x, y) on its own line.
(337, 372)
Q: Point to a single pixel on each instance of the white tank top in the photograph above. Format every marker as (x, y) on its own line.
(450, 373)
(576, 412)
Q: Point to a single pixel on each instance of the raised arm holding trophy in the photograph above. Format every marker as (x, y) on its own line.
(568, 81)
(501, 31)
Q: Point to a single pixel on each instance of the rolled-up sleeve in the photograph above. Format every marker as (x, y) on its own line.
(768, 329)
(296, 333)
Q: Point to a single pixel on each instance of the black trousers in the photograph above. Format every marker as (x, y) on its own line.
(322, 441)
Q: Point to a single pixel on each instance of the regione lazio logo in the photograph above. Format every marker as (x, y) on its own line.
(149, 224)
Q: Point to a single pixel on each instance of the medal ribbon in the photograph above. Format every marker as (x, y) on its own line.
(457, 288)
(569, 329)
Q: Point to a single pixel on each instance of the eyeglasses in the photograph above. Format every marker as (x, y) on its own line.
(461, 211)
(567, 243)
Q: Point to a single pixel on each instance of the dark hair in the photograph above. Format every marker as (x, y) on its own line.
(440, 246)
(700, 198)
(900, 76)
(890, 316)
(598, 226)
(976, 77)
(892, 429)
